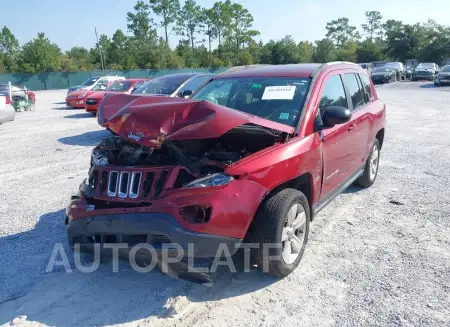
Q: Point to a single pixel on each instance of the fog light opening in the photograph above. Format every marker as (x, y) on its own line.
(196, 214)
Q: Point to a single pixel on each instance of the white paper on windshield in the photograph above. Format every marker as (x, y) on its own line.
(279, 93)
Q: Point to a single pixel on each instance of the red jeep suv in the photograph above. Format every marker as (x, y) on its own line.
(252, 156)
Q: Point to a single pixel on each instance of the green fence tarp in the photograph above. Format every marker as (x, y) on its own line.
(64, 80)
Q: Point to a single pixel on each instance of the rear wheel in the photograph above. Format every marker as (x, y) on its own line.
(281, 229)
(371, 167)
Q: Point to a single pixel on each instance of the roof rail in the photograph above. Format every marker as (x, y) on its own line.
(235, 68)
(331, 63)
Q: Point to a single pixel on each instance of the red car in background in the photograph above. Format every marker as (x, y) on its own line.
(123, 86)
(77, 99)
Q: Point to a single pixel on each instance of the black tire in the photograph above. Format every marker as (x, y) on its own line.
(267, 228)
(367, 179)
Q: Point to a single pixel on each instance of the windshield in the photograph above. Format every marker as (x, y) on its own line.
(381, 70)
(165, 85)
(119, 86)
(379, 64)
(275, 98)
(90, 81)
(445, 69)
(393, 65)
(430, 66)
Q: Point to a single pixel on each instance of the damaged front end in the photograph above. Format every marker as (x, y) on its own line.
(163, 178)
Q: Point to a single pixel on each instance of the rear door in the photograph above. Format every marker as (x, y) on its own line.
(336, 140)
(359, 127)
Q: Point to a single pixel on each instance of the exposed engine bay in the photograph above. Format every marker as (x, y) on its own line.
(198, 156)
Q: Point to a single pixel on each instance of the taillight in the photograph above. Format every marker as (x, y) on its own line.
(8, 100)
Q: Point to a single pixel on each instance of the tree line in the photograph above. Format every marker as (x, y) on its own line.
(223, 35)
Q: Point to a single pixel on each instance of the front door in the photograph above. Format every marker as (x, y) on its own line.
(336, 149)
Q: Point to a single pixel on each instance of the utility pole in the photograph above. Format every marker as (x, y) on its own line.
(99, 49)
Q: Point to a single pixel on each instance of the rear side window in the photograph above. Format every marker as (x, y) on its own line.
(366, 85)
(355, 93)
(194, 83)
(333, 94)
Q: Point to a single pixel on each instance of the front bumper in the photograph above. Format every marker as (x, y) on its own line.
(91, 108)
(155, 229)
(75, 103)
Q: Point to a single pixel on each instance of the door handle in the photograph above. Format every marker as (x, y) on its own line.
(352, 126)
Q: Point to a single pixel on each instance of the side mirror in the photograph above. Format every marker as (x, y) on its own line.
(185, 94)
(335, 115)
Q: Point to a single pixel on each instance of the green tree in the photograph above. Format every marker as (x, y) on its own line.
(117, 51)
(9, 48)
(285, 51)
(239, 32)
(403, 42)
(189, 22)
(373, 28)
(347, 52)
(168, 10)
(209, 29)
(340, 31)
(305, 51)
(77, 58)
(140, 23)
(324, 51)
(40, 55)
(368, 51)
(221, 19)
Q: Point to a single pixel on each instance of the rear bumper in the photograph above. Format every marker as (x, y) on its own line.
(155, 229)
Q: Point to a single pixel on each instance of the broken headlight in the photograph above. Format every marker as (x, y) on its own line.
(99, 158)
(211, 180)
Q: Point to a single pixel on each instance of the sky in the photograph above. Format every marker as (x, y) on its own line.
(71, 23)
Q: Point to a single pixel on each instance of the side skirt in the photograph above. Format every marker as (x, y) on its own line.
(337, 190)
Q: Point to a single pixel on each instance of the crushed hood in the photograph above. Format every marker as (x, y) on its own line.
(149, 120)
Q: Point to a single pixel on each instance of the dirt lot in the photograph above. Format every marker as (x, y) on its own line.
(376, 257)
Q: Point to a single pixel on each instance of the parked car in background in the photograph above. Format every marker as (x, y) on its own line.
(425, 71)
(77, 99)
(408, 71)
(398, 68)
(253, 155)
(7, 112)
(381, 75)
(120, 86)
(376, 64)
(368, 67)
(443, 76)
(93, 82)
(175, 85)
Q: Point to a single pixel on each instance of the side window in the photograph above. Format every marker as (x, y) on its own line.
(356, 93)
(195, 83)
(366, 85)
(138, 84)
(101, 85)
(333, 94)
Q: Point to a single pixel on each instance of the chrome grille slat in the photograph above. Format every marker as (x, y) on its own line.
(135, 184)
(113, 183)
(124, 184)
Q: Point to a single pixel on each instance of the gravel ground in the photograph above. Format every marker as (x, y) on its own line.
(376, 257)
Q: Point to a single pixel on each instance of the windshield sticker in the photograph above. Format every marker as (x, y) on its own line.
(279, 93)
(284, 116)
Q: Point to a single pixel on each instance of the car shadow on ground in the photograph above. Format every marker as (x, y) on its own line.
(85, 139)
(63, 108)
(58, 297)
(353, 189)
(62, 102)
(427, 86)
(81, 115)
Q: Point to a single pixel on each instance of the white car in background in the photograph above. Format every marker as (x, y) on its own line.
(93, 81)
(7, 111)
